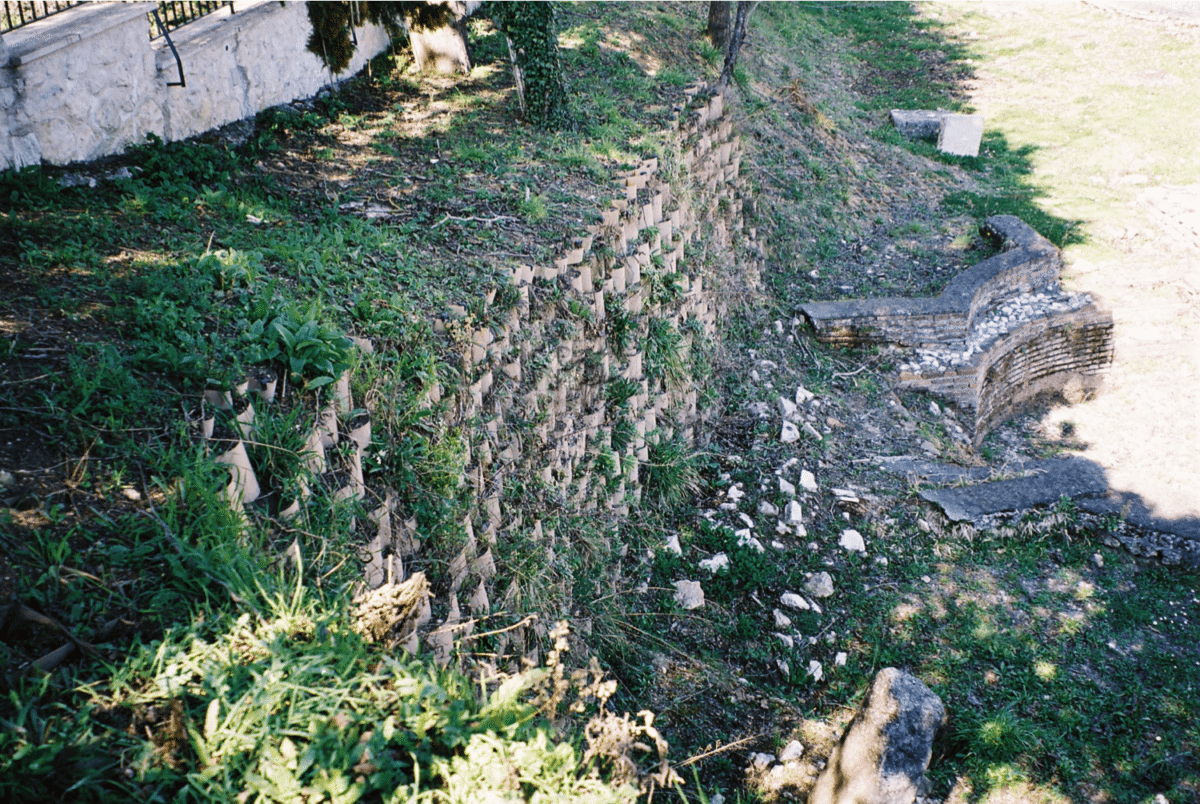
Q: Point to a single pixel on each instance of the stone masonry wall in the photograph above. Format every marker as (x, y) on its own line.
(88, 82)
(1000, 335)
(1030, 262)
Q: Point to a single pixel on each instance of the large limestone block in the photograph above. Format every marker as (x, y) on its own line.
(885, 751)
(961, 134)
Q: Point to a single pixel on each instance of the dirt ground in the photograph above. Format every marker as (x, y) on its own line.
(1109, 95)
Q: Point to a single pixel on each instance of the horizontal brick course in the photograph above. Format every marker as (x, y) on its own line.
(1064, 351)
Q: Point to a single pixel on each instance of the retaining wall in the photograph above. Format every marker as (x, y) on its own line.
(88, 82)
(674, 251)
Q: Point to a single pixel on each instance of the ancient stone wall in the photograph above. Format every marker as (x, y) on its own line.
(1000, 335)
(1031, 262)
(88, 82)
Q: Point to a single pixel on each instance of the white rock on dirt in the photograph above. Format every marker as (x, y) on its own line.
(689, 595)
(786, 639)
(735, 492)
(791, 752)
(803, 395)
(794, 601)
(840, 659)
(781, 619)
(852, 541)
(718, 562)
(767, 509)
(786, 488)
(819, 585)
(746, 520)
(673, 545)
(761, 760)
(793, 514)
(816, 670)
(787, 409)
(789, 433)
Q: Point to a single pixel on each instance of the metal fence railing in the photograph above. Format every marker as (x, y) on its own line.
(14, 14)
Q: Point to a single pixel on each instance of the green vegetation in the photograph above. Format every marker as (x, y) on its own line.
(224, 657)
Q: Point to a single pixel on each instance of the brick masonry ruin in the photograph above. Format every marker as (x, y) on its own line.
(999, 336)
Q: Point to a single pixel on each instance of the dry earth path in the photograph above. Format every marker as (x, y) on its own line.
(1110, 99)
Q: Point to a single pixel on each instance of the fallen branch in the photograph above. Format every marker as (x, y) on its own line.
(450, 217)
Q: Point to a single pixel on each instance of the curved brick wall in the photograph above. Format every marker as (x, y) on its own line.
(1067, 354)
(1030, 262)
(1061, 351)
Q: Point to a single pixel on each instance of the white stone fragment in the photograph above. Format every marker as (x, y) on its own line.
(762, 760)
(789, 433)
(852, 541)
(815, 670)
(787, 409)
(782, 528)
(781, 619)
(751, 542)
(787, 488)
(767, 509)
(794, 601)
(788, 464)
(840, 659)
(812, 431)
(819, 585)
(778, 545)
(746, 520)
(791, 752)
(672, 545)
(718, 562)
(803, 395)
(801, 531)
(792, 513)
(689, 595)
(808, 481)
(735, 492)
(786, 639)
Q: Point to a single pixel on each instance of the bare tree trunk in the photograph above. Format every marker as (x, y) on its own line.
(735, 43)
(718, 24)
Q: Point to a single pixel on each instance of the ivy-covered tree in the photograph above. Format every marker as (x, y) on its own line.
(537, 67)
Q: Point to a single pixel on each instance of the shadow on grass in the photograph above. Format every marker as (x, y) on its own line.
(906, 62)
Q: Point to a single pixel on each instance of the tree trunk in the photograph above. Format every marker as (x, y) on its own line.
(718, 24)
(442, 49)
(735, 43)
(537, 68)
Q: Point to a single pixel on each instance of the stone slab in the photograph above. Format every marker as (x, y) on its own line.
(1044, 484)
(1131, 508)
(1041, 483)
(918, 124)
(961, 134)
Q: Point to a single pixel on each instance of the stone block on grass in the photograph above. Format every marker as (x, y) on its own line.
(961, 134)
(918, 124)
